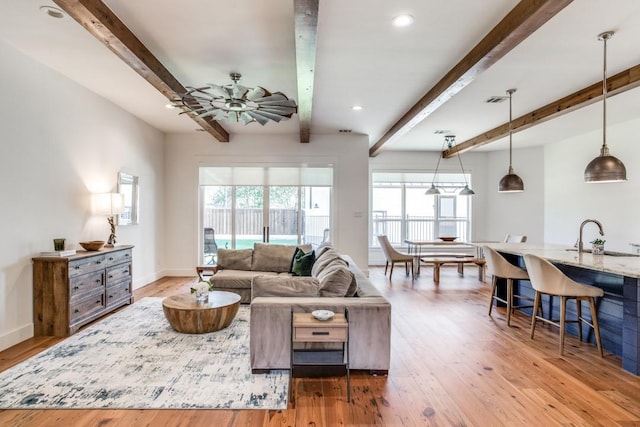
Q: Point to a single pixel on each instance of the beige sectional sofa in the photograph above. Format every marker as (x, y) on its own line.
(262, 277)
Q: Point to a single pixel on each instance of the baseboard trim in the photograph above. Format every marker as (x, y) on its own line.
(16, 336)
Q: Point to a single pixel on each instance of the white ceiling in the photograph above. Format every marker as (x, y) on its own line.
(361, 59)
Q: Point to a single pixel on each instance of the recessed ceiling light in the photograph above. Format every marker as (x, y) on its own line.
(496, 99)
(356, 107)
(344, 130)
(402, 21)
(53, 12)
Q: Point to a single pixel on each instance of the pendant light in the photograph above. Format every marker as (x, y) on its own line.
(511, 183)
(605, 168)
(434, 191)
(466, 191)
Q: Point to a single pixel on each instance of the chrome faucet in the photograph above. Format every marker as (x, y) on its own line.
(596, 222)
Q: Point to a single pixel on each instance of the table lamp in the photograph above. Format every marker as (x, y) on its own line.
(109, 204)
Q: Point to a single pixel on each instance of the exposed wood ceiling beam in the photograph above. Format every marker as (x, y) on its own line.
(621, 82)
(306, 31)
(522, 21)
(100, 21)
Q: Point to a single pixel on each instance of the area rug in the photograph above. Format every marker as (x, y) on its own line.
(133, 359)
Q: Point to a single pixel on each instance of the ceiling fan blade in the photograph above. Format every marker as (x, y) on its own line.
(217, 91)
(260, 118)
(272, 116)
(284, 103)
(257, 93)
(238, 91)
(283, 111)
(246, 118)
(273, 97)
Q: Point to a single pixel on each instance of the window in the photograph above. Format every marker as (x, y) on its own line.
(401, 210)
(240, 206)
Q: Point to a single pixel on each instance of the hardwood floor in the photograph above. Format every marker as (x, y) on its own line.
(451, 365)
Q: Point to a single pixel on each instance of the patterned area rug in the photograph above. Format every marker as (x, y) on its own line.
(133, 359)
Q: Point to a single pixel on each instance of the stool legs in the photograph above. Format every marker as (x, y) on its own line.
(563, 319)
(595, 325)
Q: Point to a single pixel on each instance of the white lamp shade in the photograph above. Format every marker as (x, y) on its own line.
(107, 203)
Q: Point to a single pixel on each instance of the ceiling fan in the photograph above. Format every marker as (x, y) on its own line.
(236, 103)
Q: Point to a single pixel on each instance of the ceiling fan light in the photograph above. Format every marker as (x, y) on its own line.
(511, 183)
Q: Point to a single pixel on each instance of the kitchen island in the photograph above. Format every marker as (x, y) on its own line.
(617, 274)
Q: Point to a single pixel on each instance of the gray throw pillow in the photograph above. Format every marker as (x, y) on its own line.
(335, 280)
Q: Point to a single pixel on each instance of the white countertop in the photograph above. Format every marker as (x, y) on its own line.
(623, 265)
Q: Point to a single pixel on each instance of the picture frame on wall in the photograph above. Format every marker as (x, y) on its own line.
(129, 185)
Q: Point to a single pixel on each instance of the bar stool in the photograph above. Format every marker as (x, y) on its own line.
(499, 267)
(547, 279)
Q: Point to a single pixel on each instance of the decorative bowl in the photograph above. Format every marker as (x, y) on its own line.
(94, 245)
(447, 239)
(322, 314)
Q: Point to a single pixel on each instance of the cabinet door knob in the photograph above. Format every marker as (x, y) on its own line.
(110, 276)
(75, 288)
(98, 262)
(97, 280)
(77, 267)
(76, 311)
(110, 258)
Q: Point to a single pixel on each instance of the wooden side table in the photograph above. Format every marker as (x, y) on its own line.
(307, 329)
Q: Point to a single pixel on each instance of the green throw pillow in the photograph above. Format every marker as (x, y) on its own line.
(302, 263)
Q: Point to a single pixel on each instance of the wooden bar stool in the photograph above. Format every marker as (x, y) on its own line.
(499, 267)
(547, 279)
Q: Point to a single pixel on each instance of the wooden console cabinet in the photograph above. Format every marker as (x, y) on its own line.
(69, 292)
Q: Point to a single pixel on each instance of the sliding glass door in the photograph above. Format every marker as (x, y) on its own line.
(240, 206)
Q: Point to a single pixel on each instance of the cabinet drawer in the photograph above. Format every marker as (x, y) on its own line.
(320, 334)
(118, 257)
(87, 283)
(118, 273)
(86, 265)
(118, 292)
(85, 307)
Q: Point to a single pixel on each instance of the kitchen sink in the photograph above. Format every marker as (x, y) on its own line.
(609, 253)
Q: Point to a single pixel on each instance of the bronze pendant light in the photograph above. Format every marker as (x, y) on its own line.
(510, 183)
(605, 168)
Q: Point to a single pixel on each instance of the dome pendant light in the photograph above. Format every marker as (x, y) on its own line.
(434, 191)
(605, 168)
(510, 183)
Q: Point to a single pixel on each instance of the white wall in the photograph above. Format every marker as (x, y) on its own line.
(516, 213)
(60, 143)
(569, 200)
(186, 152)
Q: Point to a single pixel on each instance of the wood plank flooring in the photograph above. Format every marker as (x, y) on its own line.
(451, 365)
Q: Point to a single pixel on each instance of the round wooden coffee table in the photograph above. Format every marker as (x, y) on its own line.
(187, 316)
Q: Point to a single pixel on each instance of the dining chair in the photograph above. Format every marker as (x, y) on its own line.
(500, 268)
(547, 279)
(514, 238)
(393, 256)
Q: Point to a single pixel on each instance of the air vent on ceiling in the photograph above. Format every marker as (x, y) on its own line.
(496, 99)
(345, 131)
(441, 131)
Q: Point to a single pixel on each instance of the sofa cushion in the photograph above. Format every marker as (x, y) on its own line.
(278, 286)
(323, 260)
(271, 257)
(236, 279)
(302, 262)
(235, 259)
(335, 280)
